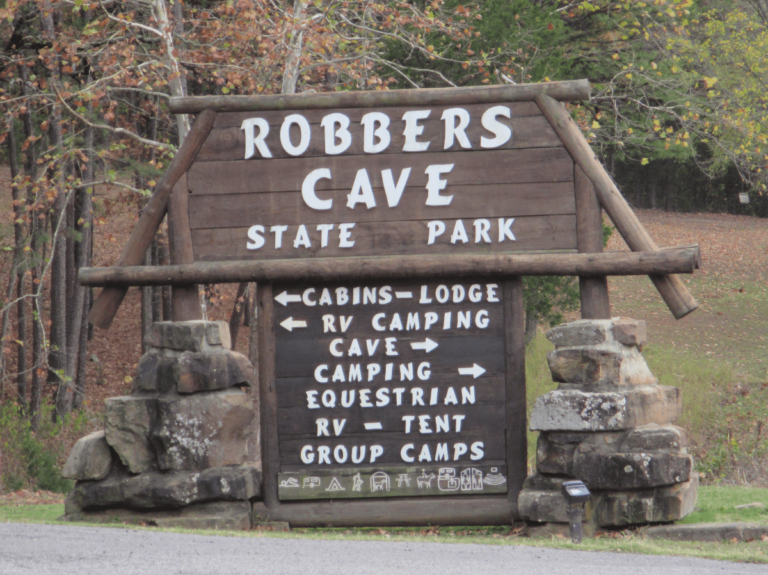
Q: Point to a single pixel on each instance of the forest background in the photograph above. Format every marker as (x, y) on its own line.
(679, 116)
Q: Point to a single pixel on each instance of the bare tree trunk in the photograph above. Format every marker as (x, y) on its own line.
(291, 73)
(30, 168)
(146, 304)
(58, 316)
(155, 292)
(236, 317)
(82, 355)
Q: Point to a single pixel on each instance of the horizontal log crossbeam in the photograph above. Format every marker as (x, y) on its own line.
(667, 261)
(563, 91)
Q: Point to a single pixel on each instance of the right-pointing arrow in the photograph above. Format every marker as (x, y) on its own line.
(475, 370)
(427, 345)
(285, 298)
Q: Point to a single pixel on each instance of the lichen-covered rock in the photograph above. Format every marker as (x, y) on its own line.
(542, 506)
(581, 332)
(620, 471)
(197, 335)
(163, 490)
(655, 438)
(128, 421)
(573, 410)
(219, 515)
(195, 372)
(90, 458)
(196, 432)
(598, 369)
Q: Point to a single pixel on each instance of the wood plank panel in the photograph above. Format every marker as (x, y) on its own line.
(299, 358)
(469, 201)
(292, 390)
(527, 132)
(392, 443)
(314, 116)
(492, 167)
(424, 481)
(293, 423)
(387, 238)
(476, 510)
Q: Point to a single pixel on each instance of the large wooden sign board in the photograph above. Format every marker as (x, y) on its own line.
(390, 395)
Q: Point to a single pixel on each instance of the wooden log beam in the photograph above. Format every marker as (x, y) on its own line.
(403, 512)
(671, 288)
(564, 91)
(671, 260)
(108, 301)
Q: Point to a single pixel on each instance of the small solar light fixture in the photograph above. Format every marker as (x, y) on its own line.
(576, 496)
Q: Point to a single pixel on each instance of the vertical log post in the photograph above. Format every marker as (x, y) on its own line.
(514, 342)
(185, 299)
(270, 449)
(593, 291)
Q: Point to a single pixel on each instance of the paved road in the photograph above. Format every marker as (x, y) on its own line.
(63, 550)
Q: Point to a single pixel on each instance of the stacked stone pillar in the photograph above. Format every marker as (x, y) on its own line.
(183, 448)
(609, 424)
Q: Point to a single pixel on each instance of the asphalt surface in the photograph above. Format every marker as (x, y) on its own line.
(61, 550)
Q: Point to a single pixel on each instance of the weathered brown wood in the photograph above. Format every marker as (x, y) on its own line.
(522, 166)
(670, 260)
(275, 118)
(293, 422)
(487, 390)
(564, 91)
(270, 451)
(298, 358)
(445, 479)
(528, 132)
(493, 440)
(593, 291)
(514, 357)
(185, 299)
(477, 510)
(389, 238)
(470, 201)
(108, 301)
(671, 288)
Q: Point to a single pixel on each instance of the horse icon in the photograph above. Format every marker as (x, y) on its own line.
(424, 481)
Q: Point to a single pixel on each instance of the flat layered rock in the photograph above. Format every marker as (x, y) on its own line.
(620, 471)
(600, 368)
(660, 505)
(163, 490)
(198, 372)
(573, 410)
(220, 515)
(90, 458)
(655, 438)
(197, 335)
(154, 372)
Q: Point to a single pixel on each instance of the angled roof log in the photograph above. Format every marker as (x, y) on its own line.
(108, 301)
(672, 290)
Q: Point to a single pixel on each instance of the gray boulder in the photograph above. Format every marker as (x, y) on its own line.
(90, 458)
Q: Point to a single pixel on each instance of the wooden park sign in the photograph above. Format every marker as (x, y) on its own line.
(388, 233)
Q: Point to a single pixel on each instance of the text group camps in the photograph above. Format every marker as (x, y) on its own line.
(376, 130)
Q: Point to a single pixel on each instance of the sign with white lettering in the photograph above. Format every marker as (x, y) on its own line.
(480, 178)
(390, 390)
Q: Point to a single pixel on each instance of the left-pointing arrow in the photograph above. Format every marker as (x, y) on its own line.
(285, 298)
(290, 324)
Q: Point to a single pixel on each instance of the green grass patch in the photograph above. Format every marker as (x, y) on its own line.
(538, 381)
(717, 504)
(30, 513)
